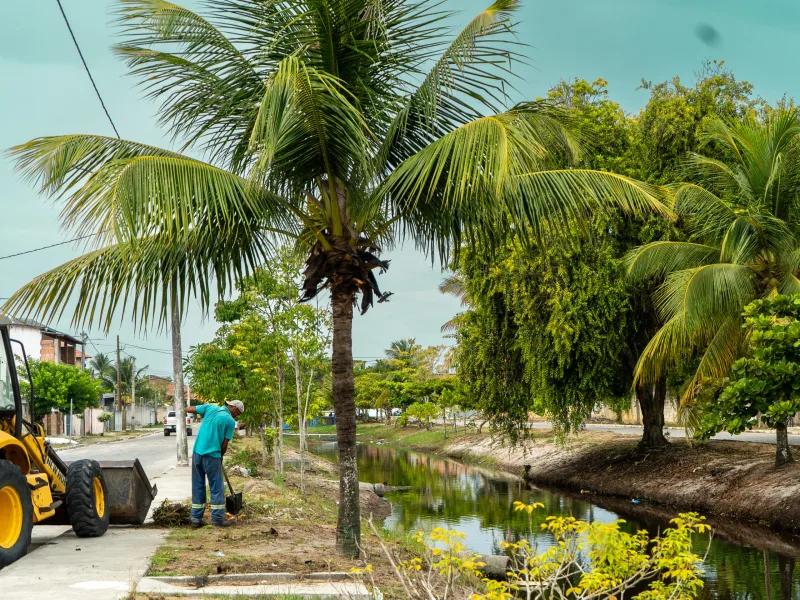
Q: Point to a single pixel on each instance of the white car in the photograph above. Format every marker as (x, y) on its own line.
(170, 421)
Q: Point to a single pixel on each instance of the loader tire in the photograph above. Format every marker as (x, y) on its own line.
(16, 514)
(87, 499)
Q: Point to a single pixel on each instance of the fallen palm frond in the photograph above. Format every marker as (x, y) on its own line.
(172, 514)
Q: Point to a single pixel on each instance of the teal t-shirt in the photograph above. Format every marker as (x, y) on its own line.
(218, 425)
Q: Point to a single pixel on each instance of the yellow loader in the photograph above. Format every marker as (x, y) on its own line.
(36, 485)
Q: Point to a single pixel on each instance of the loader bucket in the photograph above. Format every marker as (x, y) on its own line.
(129, 492)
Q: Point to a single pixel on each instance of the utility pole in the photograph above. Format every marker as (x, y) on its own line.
(133, 388)
(83, 350)
(119, 388)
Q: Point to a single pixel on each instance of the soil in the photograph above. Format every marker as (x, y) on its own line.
(279, 531)
(718, 479)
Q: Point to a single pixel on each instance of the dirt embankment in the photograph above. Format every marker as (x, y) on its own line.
(720, 479)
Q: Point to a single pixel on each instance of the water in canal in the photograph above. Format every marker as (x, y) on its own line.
(479, 502)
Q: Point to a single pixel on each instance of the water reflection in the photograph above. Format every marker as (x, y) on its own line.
(479, 502)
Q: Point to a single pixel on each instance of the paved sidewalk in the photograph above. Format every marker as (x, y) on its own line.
(69, 568)
(61, 566)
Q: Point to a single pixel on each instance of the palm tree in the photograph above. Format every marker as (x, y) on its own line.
(104, 370)
(405, 351)
(126, 371)
(454, 285)
(341, 125)
(741, 214)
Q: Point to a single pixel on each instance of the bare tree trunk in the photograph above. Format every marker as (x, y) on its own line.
(300, 417)
(305, 410)
(444, 420)
(118, 391)
(348, 528)
(276, 451)
(651, 400)
(783, 452)
(280, 416)
(180, 402)
(263, 445)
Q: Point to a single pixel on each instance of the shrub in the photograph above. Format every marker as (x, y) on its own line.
(585, 560)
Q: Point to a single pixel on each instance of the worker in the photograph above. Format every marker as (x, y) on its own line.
(209, 448)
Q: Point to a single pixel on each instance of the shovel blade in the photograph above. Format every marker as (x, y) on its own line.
(233, 503)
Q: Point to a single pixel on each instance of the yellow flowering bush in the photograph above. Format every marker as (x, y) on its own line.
(599, 560)
(584, 561)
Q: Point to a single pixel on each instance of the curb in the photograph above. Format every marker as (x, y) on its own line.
(348, 590)
(250, 577)
(110, 441)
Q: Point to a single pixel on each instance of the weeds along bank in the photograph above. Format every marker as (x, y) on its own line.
(720, 478)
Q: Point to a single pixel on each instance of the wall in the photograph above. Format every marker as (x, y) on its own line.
(30, 337)
(634, 415)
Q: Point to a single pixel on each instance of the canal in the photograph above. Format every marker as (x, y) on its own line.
(744, 561)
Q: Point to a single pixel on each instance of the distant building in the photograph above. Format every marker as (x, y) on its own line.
(190, 396)
(44, 343)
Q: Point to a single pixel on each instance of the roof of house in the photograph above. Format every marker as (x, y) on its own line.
(9, 320)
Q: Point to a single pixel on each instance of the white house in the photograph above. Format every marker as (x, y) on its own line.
(42, 342)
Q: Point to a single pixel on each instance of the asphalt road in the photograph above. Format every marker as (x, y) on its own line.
(679, 432)
(156, 452)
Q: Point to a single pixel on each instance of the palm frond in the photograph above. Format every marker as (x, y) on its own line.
(664, 351)
(707, 295)
(471, 72)
(707, 215)
(143, 278)
(209, 90)
(122, 190)
(724, 348)
(306, 128)
(656, 259)
(470, 181)
(455, 285)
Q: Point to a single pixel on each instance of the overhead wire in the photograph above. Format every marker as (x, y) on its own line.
(77, 239)
(86, 67)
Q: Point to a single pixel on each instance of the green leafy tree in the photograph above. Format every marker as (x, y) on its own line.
(766, 383)
(341, 125)
(673, 122)
(55, 385)
(742, 246)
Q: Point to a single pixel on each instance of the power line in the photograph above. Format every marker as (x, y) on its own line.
(85, 66)
(77, 239)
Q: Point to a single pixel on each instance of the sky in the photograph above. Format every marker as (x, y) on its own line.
(45, 91)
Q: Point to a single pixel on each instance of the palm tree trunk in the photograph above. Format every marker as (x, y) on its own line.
(651, 400)
(348, 529)
(180, 403)
(783, 452)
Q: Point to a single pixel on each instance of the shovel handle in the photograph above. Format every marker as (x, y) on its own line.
(228, 481)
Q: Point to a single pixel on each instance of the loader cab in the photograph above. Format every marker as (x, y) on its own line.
(10, 400)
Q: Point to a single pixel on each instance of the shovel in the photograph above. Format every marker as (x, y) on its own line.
(233, 503)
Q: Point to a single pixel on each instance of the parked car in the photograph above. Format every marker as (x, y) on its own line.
(170, 421)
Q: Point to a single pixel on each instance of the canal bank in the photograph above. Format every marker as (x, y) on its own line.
(743, 561)
(721, 479)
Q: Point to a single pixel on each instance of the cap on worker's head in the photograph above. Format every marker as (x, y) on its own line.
(236, 404)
